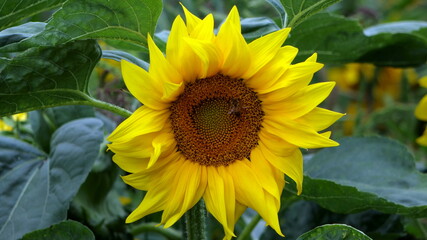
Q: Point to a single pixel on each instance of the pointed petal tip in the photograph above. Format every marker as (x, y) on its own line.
(131, 218)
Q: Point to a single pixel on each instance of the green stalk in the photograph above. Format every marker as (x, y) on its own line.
(108, 106)
(195, 222)
(169, 233)
(248, 228)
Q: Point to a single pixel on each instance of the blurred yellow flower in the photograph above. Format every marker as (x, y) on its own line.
(222, 120)
(348, 76)
(20, 117)
(421, 112)
(4, 126)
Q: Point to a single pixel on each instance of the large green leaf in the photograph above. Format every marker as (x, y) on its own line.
(366, 173)
(125, 20)
(12, 11)
(44, 122)
(256, 27)
(299, 10)
(44, 77)
(36, 188)
(18, 33)
(340, 40)
(334, 232)
(66, 230)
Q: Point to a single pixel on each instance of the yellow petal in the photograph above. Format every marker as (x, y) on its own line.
(208, 55)
(423, 139)
(240, 209)
(204, 30)
(220, 198)
(264, 49)
(249, 192)
(319, 118)
(137, 147)
(291, 165)
(146, 178)
(143, 86)
(192, 20)
(163, 143)
(189, 186)
(267, 174)
(233, 46)
(300, 103)
(144, 120)
(160, 69)
(159, 189)
(421, 109)
(171, 91)
(296, 77)
(296, 133)
(266, 77)
(154, 201)
(130, 164)
(178, 53)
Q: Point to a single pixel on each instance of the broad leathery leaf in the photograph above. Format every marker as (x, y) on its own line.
(257, 27)
(400, 43)
(44, 122)
(334, 232)
(398, 27)
(13, 11)
(366, 173)
(299, 10)
(125, 20)
(44, 77)
(66, 230)
(18, 33)
(303, 216)
(36, 188)
(339, 40)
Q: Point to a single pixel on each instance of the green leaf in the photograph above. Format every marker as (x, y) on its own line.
(18, 33)
(299, 10)
(256, 27)
(45, 122)
(126, 20)
(280, 9)
(96, 199)
(366, 173)
(36, 187)
(334, 232)
(66, 230)
(398, 27)
(13, 11)
(47, 76)
(398, 43)
(339, 40)
(302, 216)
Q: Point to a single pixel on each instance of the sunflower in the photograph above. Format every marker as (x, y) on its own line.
(221, 120)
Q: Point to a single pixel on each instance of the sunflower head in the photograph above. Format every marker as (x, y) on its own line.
(222, 120)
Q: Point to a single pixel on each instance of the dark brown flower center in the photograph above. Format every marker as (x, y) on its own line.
(216, 120)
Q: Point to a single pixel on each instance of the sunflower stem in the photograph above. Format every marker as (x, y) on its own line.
(108, 106)
(248, 228)
(169, 233)
(195, 222)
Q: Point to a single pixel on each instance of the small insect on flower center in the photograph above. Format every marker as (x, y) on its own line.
(216, 120)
